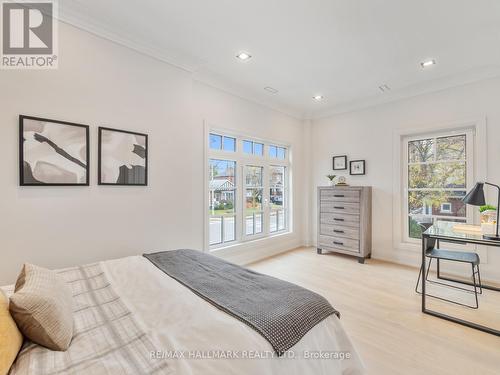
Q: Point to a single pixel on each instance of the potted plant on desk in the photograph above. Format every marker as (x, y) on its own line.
(488, 218)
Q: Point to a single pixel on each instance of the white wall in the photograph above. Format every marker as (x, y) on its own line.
(368, 134)
(101, 83)
(220, 110)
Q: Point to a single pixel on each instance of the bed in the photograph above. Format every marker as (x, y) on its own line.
(159, 326)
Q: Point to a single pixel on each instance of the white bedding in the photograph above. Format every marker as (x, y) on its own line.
(180, 324)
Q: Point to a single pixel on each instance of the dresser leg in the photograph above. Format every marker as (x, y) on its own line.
(319, 250)
(361, 260)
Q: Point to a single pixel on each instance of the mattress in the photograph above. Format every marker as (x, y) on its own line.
(184, 334)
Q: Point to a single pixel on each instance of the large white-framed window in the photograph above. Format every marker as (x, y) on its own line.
(248, 188)
(438, 172)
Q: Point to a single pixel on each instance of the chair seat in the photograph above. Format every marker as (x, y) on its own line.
(458, 256)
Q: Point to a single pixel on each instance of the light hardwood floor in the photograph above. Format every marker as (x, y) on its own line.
(381, 313)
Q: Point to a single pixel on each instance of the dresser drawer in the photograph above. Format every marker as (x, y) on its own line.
(339, 243)
(339, 207)
(339, 231)
(340, 195)
(340, 219)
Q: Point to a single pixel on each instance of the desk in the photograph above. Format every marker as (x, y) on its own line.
(443, 232)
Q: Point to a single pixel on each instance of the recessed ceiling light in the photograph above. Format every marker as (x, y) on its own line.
(244, 56)
(318, 98)
(428, 63)
(272, 90)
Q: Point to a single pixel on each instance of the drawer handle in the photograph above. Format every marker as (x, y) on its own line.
(338, 243)
(339, 208)
(337, 219)
(339, 196)
(338, 231)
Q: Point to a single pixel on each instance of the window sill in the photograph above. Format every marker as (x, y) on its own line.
(241, 244)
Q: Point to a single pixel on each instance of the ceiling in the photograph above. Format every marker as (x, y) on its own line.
(342, 49)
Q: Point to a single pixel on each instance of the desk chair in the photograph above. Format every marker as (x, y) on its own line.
(432, 252)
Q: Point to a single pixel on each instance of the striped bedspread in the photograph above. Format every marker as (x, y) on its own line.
(107, 339)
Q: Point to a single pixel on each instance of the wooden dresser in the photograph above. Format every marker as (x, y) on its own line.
(344, 220)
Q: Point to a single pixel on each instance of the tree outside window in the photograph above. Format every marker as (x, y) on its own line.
(437, 175)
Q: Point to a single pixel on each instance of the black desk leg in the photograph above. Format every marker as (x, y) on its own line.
(424, 247)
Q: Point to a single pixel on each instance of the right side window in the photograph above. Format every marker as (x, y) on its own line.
(277, 198)
(254, 192)
(439, 172)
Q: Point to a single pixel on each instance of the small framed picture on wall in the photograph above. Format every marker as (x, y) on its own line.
(340, 163)
(123, 157)
(357, 167)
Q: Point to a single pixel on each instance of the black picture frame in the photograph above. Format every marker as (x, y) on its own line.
(363, 163)
(22, 176)
(99, 157)
(340, 157)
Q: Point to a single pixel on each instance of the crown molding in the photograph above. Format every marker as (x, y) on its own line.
(225, 85)
(190, 65)
(196, 67)
(408, 92)
(79, 20)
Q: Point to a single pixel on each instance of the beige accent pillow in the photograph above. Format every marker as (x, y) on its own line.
(42, 306)
(11, 339)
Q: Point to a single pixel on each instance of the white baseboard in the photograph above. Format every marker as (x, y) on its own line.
(254, 251)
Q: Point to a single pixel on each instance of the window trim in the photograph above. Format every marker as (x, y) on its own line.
(242, 159)
(478, 125)
(469, 178)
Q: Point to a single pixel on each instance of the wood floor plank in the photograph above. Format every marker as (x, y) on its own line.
(381, 313)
